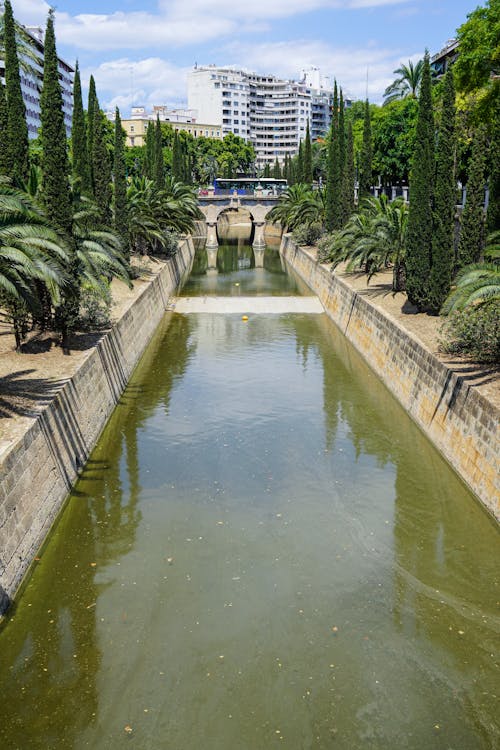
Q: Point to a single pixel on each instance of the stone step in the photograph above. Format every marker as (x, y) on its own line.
(233, 305)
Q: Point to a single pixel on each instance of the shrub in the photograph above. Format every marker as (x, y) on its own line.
(307, 234)
(95, 310)
(473, 331)
(326, 247)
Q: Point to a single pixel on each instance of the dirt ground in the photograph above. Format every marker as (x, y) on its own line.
(28, 380)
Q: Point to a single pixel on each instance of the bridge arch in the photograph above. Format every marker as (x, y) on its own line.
(256, 207)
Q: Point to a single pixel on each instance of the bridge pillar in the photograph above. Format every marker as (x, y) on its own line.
(258, 238)
(212, 258)
(258, 253)
(211, 234)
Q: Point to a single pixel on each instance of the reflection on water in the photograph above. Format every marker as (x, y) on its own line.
(263, 552)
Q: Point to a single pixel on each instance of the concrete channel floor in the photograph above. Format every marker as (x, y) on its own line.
(228, 305)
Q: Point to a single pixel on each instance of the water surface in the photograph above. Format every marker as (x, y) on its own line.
(263, 552)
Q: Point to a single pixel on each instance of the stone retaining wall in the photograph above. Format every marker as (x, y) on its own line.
(461, 423)
(37, 473)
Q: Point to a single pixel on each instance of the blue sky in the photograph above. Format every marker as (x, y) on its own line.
(141, 50)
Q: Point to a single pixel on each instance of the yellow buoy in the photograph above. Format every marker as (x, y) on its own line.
(245, 317)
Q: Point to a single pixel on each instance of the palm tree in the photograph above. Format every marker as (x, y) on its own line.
(373, 240)
(98, 249)
(31, 254)
(155, 214)
(298, 205)
(406, 84)
(477, 284)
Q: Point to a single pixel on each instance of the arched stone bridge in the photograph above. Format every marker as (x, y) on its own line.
(257, 205)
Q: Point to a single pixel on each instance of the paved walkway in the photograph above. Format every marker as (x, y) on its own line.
(277, 305)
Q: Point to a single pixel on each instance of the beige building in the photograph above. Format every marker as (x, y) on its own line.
(136, 130)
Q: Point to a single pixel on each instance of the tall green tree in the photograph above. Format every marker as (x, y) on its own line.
(308, 171)
(91, 107)
(120, 218)
(55, 164)
(349, 177)
(159, 169)
(149, 158)
(332, 209)
(478, 63)
(55, 185)
(366, 156)
(101, 166)
(493, 215)
(276, 170)
(471, 242)
(443, 226)
(419, 236)
(342, 144)
(4, 160)
(177, 158)
(79, 146)
(17, 128)
(299, 174)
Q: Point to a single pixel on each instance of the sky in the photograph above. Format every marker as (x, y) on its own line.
(140, 51)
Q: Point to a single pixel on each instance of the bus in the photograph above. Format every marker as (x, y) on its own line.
(268, 186)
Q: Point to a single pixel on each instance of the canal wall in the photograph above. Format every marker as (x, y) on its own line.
(38, 472)
(459, 421)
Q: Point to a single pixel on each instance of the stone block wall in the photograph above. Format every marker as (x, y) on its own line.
(459, 421)
(38, 472)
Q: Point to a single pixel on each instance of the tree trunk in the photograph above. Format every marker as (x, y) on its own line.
(399, 277)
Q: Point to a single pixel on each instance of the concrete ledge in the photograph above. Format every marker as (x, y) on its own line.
(459, 421)
(38, 471)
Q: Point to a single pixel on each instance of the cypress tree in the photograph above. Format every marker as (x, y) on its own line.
(330, 179)
(444, 202)
(91, 107)
(277, 170)
(101, 166)
(150, 152)
(493, 215)
(159, 176)
(334, 175)
(79, 152)
(308, 171)
(342, 143)
(286, 169)
(365, 165)
(299, 173)
(120, 184)
(17, 128)
(349, 177)
(176, 158)
(56, 193)
(419, 232)
(55, 181)
(471, 242)
(4, 161)
(267, 170)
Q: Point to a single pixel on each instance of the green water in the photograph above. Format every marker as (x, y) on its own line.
(263, 552)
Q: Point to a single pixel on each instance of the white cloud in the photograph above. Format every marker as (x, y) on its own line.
(149, 81)
(176, 22)
(31, 12)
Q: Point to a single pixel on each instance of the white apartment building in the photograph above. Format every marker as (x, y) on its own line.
(269, 112)
(31, 83)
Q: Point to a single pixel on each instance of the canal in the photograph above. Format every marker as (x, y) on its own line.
(263, 552)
